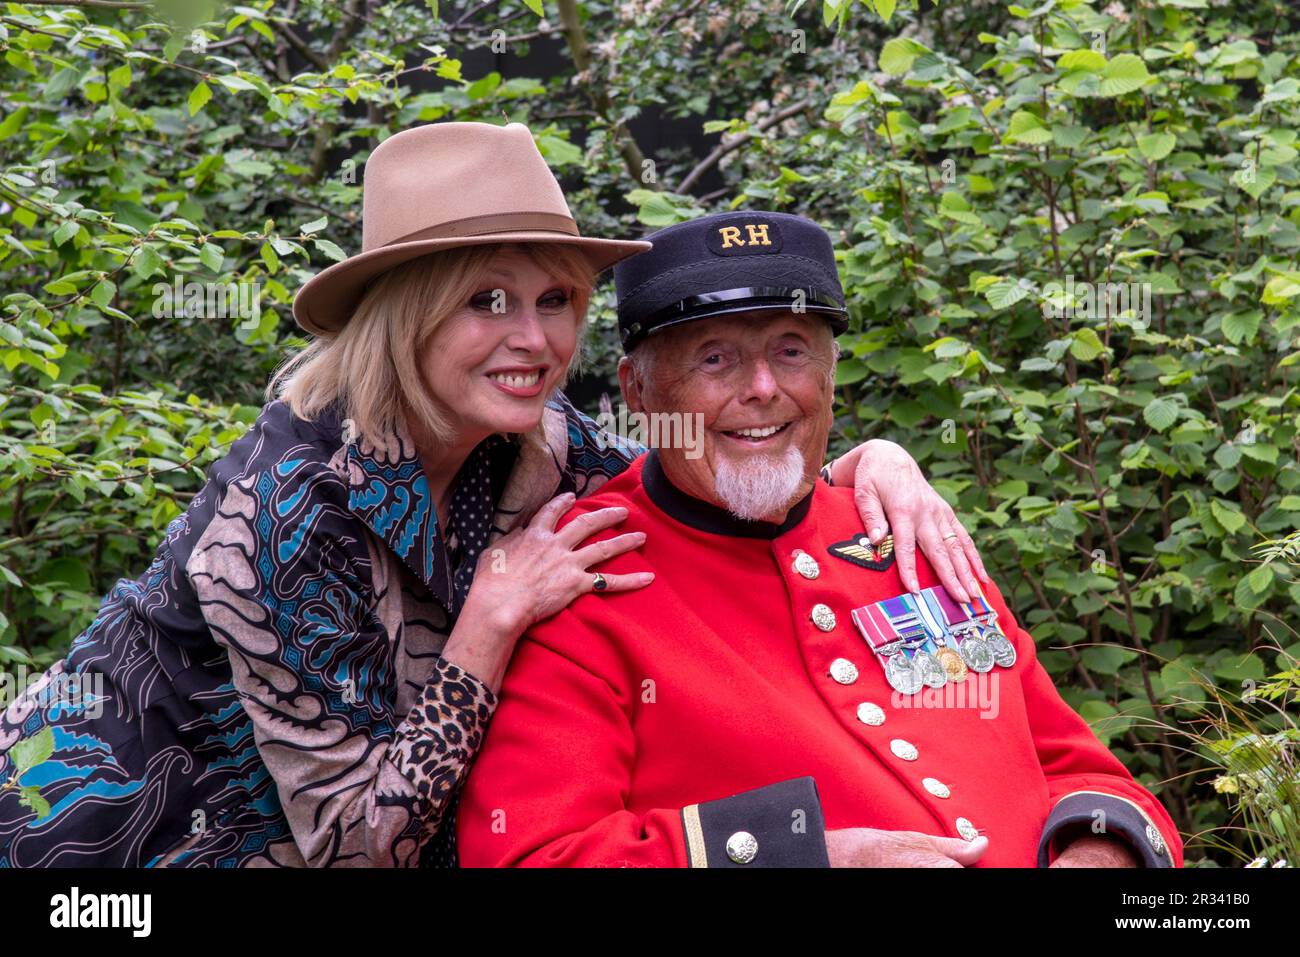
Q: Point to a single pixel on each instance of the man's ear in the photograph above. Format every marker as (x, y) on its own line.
(835, 361)
(630, 384)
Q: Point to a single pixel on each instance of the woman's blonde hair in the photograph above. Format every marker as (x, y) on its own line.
(371, 367)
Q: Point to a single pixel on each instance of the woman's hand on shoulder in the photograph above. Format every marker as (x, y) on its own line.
(892, 494)
(535, 571)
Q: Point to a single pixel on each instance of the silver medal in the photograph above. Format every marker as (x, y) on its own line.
(902, 674)
(933, 674)
(1004, 652)
(977, 653)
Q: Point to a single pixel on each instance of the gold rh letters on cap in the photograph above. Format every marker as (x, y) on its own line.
(757, 235)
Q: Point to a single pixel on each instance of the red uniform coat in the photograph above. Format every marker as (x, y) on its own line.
(621, 714)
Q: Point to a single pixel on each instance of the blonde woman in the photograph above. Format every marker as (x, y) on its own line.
(304, 673)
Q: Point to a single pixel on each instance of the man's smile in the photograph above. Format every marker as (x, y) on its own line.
(757, 436)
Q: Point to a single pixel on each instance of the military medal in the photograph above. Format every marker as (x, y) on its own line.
(1004, 652)
(909, 626)
(901, 673)
(953, 663)
(974, 650)
(859, 551)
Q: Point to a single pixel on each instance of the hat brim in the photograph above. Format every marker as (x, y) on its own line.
(325, 303)
(837, 318)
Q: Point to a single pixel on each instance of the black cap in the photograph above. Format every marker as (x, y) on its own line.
(726, 263)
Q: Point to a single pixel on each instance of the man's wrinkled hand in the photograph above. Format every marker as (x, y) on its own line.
(871, 847)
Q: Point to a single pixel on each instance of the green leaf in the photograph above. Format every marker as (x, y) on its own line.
(29, 752)
(954, 206)
(1280, 289)
(535, 6)
(849, 371)
(1238, 668)
(655, 208)
(1260, 452)
(1089, 60)
(103, 292)
(1239, 327)
(66, 232)
(145, 264)
(1086, 345)
(1254, 181)
(199, 97)
(211, 255)
(1005, 294)
(30, 797)
(1227, 514)
(1124, 74)
(1157, 146)
(270, 258)
(329, 249)
(1069, 137)
(13, 122)
(1227, 455)
(1160, 413)
(558, 151)
(1025, 127)
(1106, 659)
(174, 45)
(886, 8)
(898, 54)
(1244, 597)
(1260, 579)
(120, 78)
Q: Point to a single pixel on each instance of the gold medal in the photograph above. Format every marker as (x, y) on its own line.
(952, 663)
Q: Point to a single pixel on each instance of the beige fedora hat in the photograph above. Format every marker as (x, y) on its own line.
(443, 185)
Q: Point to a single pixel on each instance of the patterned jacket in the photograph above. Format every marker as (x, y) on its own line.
(270, 691)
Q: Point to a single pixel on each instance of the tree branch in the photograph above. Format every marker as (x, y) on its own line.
(722, 149)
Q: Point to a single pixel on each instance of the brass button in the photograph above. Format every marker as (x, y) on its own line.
(936, 787)
(871, 714)
(903, 749)
(742, 847)
(806, 565)
(966, 829)
(844, 671)
(823, 617)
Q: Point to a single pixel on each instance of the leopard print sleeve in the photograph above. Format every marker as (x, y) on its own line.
(437, 742)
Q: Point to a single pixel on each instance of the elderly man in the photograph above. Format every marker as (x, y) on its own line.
(777, 697)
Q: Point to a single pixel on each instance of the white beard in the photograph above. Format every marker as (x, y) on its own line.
(758, 486)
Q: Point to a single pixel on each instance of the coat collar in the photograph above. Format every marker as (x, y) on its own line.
(389, 491)
(706, 516)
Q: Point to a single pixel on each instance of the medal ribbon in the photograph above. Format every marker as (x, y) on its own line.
(902, 613)
(979, 611)
(939, 600)
(875, 628)
(934, 616)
